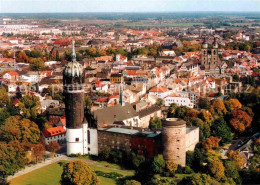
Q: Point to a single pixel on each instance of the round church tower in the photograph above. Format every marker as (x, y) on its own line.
(73, 90)
(173, 138)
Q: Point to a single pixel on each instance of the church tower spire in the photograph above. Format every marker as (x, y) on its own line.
(121, 93)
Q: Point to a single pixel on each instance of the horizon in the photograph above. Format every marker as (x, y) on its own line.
(124, 6)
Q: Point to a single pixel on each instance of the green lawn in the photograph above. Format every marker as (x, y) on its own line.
(50, 175)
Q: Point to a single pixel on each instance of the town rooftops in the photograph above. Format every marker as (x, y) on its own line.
(159, 89)
(54, 131)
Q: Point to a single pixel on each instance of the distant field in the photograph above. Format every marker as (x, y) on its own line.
(188, 24)
(50, 175)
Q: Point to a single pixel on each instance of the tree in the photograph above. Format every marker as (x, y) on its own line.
(234, 104)
(4, 98)
(29, 106)
(217, 169)
(191, 114)
(206, 116)
(38, 151)
(160, 102)
(132, 182)
(136, 160)
(204, 103)
(53, 146)
(88, 102)
(220, 129)
(37, 64)
(12, 158)
(171, 110)
(19, 129)
(155, 123)
(4, 114)
(22, 57)
(240, 120)
(158, 164)
(210, 143)
(231, 171)
(57, 55)
(218, 108)
(181, 112)
(238, 160)
(198, 179)
(171, 167)
(78, 172)
(204, 128)
(35, 53)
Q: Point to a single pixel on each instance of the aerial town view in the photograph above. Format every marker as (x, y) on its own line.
(118, 92)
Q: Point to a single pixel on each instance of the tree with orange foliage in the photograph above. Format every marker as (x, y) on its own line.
(234, 104)
(38, 151)
(191, 114)
(22, 57)
(240, 120)
(236, 158)
(218, 108)
(53, 146)
(210, 143)
(217, 169)
(53, 55)
(206, 116)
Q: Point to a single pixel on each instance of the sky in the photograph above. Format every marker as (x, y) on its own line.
(42, 6)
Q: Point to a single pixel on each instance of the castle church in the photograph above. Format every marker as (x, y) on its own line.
(81, 137)
(210, 59)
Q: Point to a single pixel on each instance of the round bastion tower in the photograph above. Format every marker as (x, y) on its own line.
(73, 90)
(173, 138)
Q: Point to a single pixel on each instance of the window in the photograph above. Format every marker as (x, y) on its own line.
(76, 139)
(88, 137)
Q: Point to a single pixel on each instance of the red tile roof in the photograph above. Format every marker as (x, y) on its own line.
(54, 131)
(159, 89)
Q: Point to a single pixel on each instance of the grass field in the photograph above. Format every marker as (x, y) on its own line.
(50, 175)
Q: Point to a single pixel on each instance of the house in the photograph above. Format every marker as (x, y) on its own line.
(179, 100)
(57, 134)
(116, 78)
(117, 114)
(12, 76)
(160, 92)
(149, 113)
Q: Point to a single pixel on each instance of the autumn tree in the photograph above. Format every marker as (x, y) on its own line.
(37, 64)
(19, 129)
(238, 160)
(204, 103)
(132, 182)
(218, 108)
(217, 169)
(4, 98)
(198, 179)
(234, 104)
(22, 57)
(4, 114)
(29, 106)
(38, 151)
(240, 120)
(210, 143)
(191, 114)
(206, 116)
(12, 158)
(171, 167)
(53, 146)
(221, 130)
(78, 172)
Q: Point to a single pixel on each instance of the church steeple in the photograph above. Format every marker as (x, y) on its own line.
(73, 51)
(121, 93)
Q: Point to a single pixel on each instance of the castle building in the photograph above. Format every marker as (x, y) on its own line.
(81, 138)
(210, 59)
(174, 140)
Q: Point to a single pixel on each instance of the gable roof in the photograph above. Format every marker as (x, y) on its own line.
(118, 112)
(54, 131)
